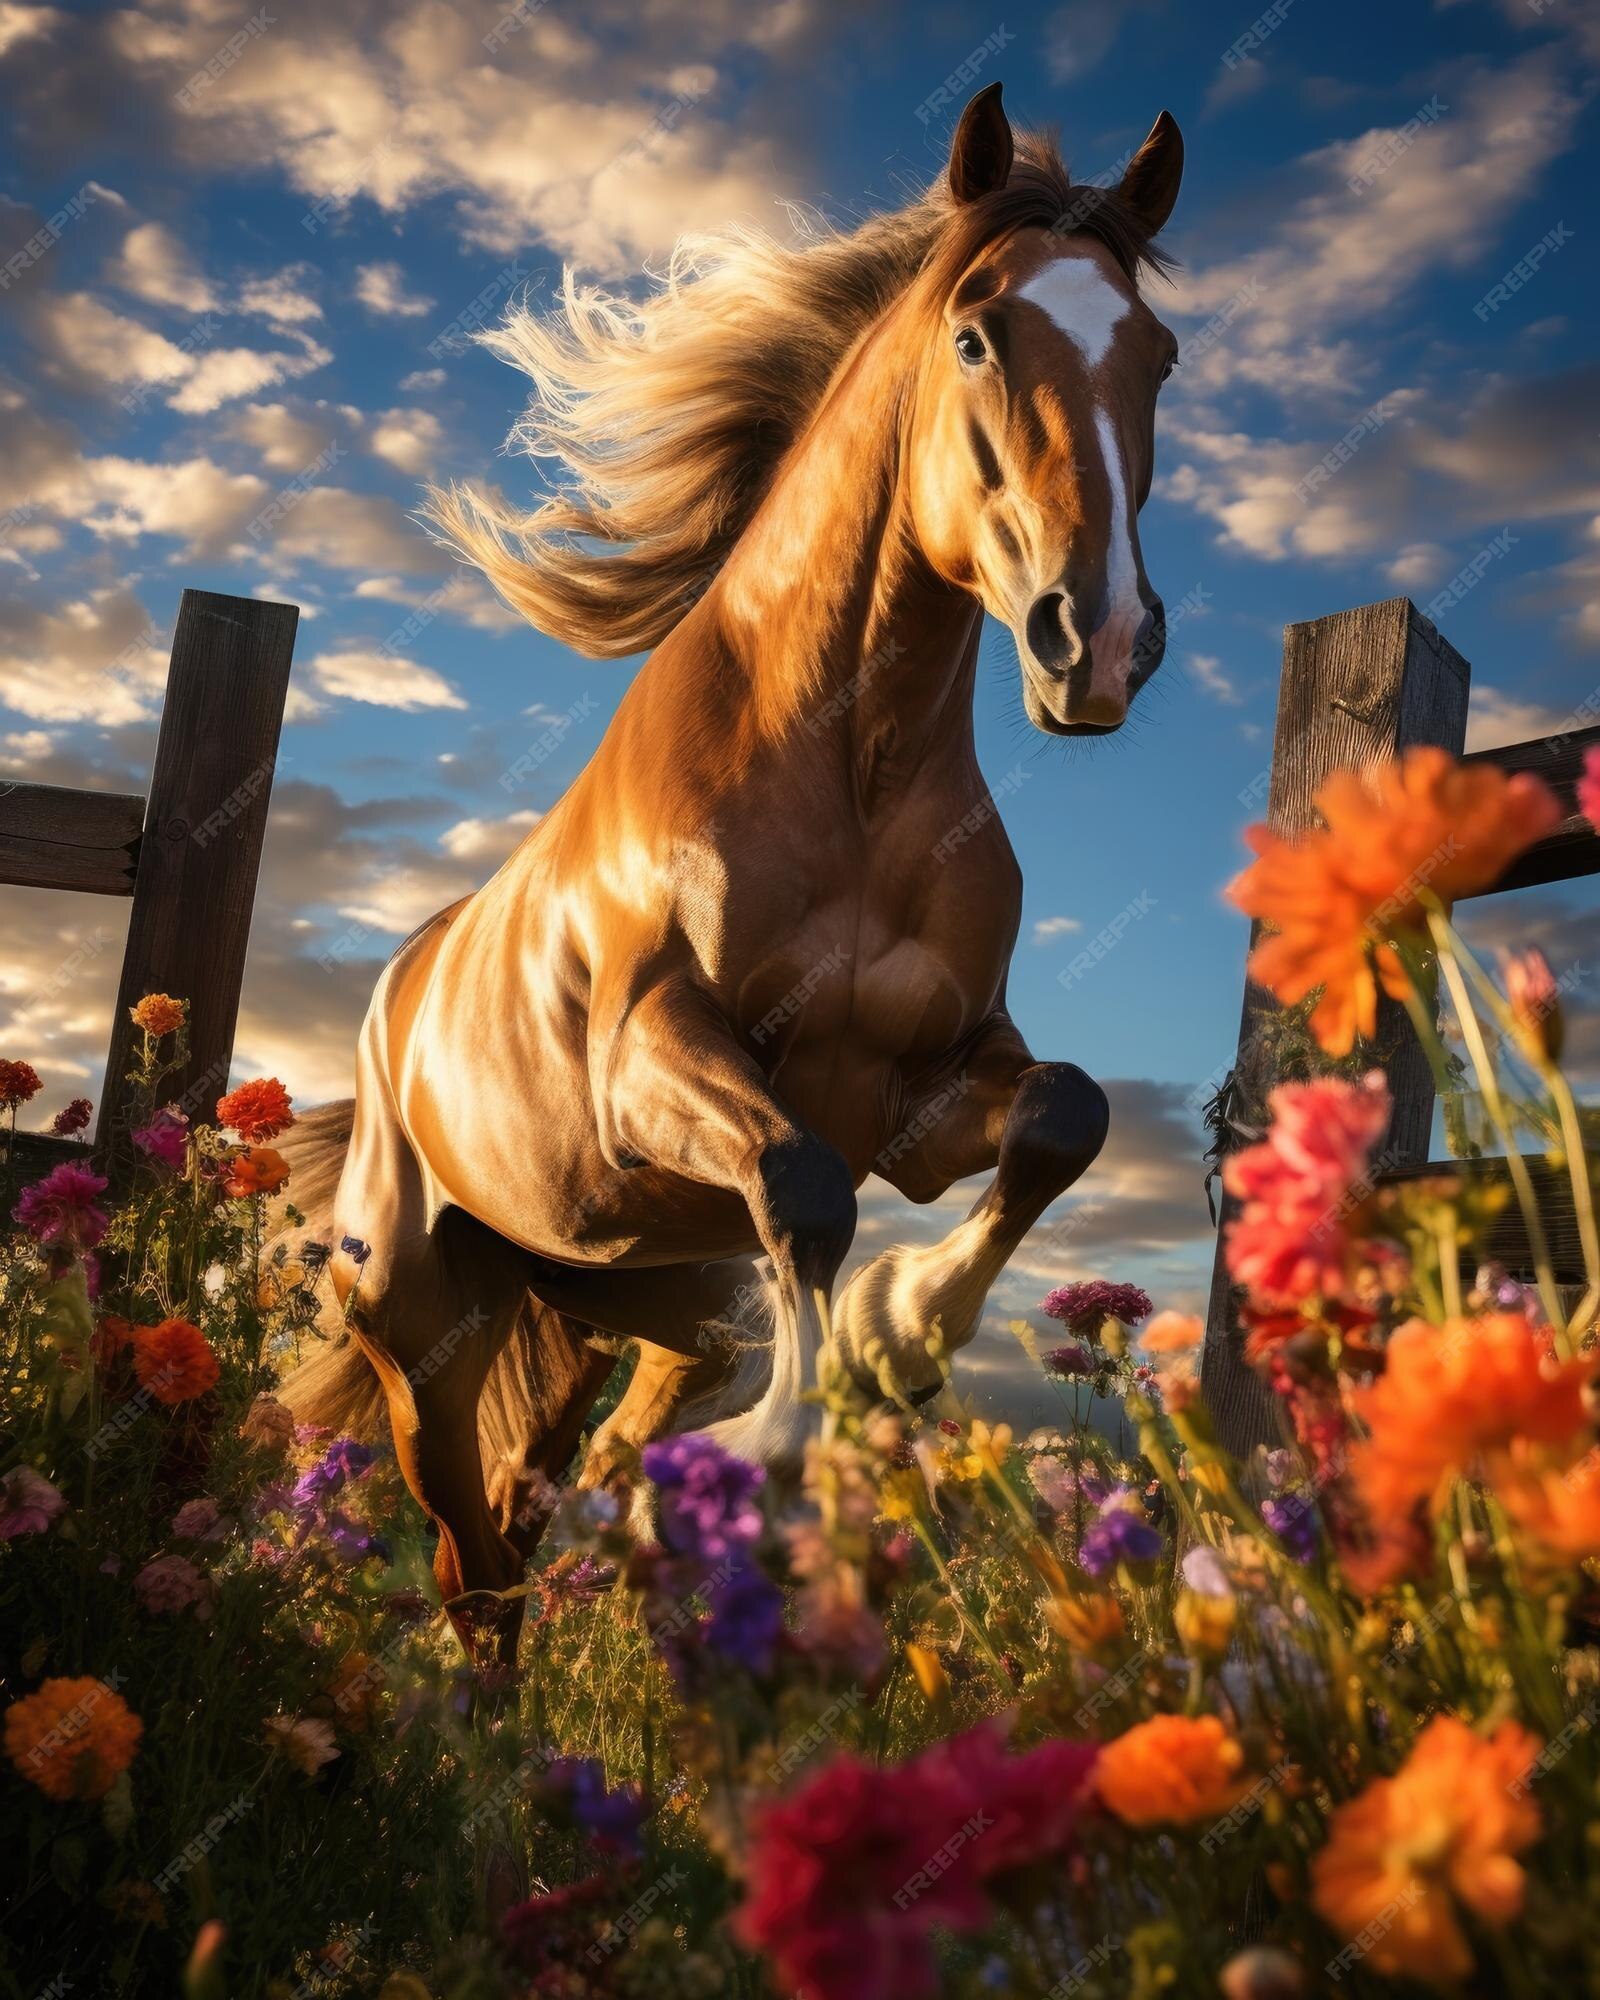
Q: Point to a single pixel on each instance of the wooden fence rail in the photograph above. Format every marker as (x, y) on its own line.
(188, 855)
(1359, 687)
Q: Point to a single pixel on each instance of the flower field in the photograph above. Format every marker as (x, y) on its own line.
(966, 1713)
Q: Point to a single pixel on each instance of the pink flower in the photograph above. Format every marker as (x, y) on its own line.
(269, 1424)
(165, 1139)
(306, 1740)
(201, 1520)
(1589, 787)
(28, 1503)
(1301, 1184)
(172, 1583)
(1085, 1306)
(61, 1208)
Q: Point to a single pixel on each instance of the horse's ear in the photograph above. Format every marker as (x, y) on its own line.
(1150, 186)
(980, 153)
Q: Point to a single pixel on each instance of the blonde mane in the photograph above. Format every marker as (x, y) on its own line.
(668, 419)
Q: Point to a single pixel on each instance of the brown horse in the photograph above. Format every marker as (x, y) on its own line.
(760, 947)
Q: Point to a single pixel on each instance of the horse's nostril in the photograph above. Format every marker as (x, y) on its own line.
(1050, 638)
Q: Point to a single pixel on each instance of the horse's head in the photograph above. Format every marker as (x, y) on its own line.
(1033, 429)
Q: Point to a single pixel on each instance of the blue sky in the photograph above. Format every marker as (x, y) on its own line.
(243, 246)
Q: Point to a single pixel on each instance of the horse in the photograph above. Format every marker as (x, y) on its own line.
(759, 948)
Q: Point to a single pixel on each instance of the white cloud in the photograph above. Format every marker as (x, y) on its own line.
(381, 288)
(155, 266)
(288, 440)
(280, 296)
(1495, 717)
(94, 660)
(1208, 671)
(383, 679)
(359, 531)
(408, 439)
(1416, 565)
(223, 375)
(422, 378)
(1046, 928)
(488, 841)
(20, 24)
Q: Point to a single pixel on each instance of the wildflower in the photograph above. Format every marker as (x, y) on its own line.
(347, 1458)
(257, 1111)
(259, 1171)
(172, 1583)
(746, 1619)
(1085, 1306)
(1589, 786)
(1067, 1362)
(28, 1503)
(1299, 1186)
(986, 1451)
(1442, 1832)
(1171, 1771)
(1121, 1534)
(159, 1014)
(1262, 1972)
(1293, 1519)
(1089, 1622)
(1535, 1002)
(73, 1738)
(545, 1935)
(1172, 1333)
(174, 1361)
(72, 1118)
(62, 1209)
(577, 1787)
(18, 1082)
(1033, 1801)
(357, 1251)
(1553, 1504)
(1204, 1624)
(201, 1520)
(269, 1424)
(355, 1541)
(931, 1678)
(1202, 1570)
(314, 1256)
(1451, 1393)
(708, 1506)
(1341, 896)
(305, 1740)
(165, 1139)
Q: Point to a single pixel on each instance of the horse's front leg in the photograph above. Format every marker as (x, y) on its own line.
(1040, 1125)
(678, 1092)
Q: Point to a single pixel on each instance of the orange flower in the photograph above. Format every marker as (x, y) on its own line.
(1171, 1771)
(1555, 1503)
(159, 1014)
(1338, 893)
(174, 1361)
(1448, 1394)
(1444, 1829)
(260, 1171)
(72, 1738)
(1172, 1333)
(256, 1110)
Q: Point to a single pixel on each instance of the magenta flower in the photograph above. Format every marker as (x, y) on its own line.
(172, 1583)
(165, 1140)
(1069, 1361)
(1084, 1306)
(61, 1208)
(28, 1503)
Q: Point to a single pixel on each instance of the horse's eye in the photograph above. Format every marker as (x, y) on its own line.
(969, 344)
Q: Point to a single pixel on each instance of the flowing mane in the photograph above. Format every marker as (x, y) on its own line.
(668, 419)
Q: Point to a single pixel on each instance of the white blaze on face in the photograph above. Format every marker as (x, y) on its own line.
(1088, 308)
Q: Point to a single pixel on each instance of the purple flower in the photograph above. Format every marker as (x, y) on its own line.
(1083, 1307)
(28, 1503)
(344, 1459)
(61, 1208)
(1121, 1534)
(165, 1139)
(357, 1251)
(708, 1507)
(355, 1541)
(612, 1818)
(746, 1619)
(1069, 1361)
(1293, 1519)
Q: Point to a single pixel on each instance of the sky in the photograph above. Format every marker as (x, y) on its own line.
(243, 251)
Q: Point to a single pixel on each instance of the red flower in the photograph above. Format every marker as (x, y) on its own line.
(72, 1118)
(260, 1171)
(174, 1361)
(851, 1873)
(18, 1082)
(257, 1110)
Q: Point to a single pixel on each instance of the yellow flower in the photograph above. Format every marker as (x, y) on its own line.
(934, 1682)
(901, 1492)
(1088, 1622)
(1204, 1624)
(986, 1449)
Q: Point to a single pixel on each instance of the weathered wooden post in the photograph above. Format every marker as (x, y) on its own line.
(1357, 687)
(200, 850)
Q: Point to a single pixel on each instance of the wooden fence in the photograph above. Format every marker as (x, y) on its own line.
(187, 855)
(1359, 687)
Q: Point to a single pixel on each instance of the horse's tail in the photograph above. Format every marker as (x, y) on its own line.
(335, 1384)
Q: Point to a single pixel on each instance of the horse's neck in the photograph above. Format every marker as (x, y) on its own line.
(841, 626)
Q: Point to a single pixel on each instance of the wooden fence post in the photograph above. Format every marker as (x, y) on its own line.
(1357, 687)
(194, 888)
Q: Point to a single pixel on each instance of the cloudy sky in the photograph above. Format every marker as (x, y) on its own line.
(246, 248)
